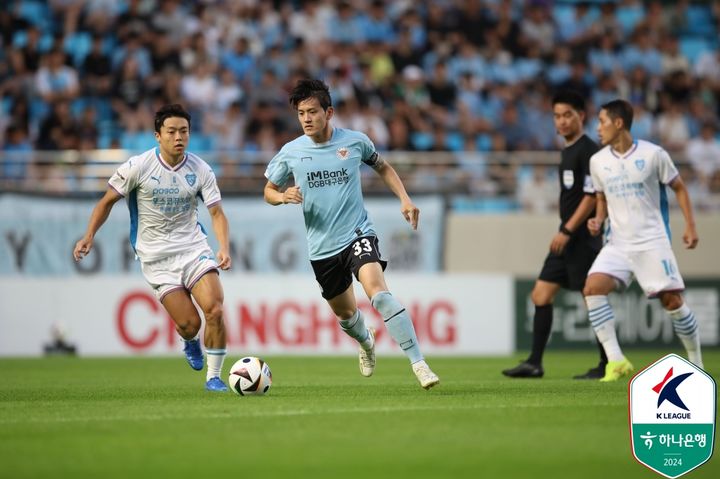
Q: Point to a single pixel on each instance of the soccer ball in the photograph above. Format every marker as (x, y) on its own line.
(250, 376)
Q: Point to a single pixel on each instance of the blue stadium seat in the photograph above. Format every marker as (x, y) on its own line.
(38, 109)
(104, 140)
(693, 47)
(77, 46)
(421, 141)
(630, 16)
(454, 141)
(483, 142)
(699, 19)
(137, 141)
(78, 105)
(6, 105)
(563, 13)
(37, 13)
(201, 142)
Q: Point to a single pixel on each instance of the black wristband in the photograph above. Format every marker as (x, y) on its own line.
(565, 231)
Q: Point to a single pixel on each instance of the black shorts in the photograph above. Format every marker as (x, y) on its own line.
(334, 274)
(570, 268)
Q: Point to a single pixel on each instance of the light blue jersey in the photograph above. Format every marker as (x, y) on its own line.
(328, 175)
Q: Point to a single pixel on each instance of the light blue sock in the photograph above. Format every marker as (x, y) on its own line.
(356, 329)
(398, 324)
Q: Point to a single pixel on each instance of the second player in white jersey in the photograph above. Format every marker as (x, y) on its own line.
(630, 178)
(634, 186)
(163, 201)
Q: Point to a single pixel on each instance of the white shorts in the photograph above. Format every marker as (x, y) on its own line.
(655, 270)
(180, 271)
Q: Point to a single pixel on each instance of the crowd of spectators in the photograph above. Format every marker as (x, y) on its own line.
(436, 75)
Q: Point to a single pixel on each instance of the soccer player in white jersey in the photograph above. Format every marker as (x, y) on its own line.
(325, 165)
(630, 177)
(162, 187)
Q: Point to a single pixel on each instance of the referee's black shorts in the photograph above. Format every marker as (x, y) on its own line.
(570, 268)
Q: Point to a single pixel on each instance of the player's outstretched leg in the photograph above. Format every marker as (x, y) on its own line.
(686, 328)
(193, 353)
(602, 320)
(215, 359)
(355, 328)
(400, 327)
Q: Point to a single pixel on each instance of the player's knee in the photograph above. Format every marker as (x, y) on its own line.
(188, 329)
(671, 301)
(214, 313)
(344, 313)
(593, 289)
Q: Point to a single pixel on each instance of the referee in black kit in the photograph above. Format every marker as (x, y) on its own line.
(572, 249)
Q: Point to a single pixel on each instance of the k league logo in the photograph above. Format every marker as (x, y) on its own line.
(668, 390)
(672, 416)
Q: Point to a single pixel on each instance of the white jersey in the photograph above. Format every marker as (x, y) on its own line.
(163, 202)
(634, 186)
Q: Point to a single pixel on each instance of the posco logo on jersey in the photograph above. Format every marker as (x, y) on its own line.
(317, 179)
(166, 191)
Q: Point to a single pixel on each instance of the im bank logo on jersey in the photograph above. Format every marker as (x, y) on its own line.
(672, 416)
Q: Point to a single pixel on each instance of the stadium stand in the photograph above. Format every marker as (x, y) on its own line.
(427, 77)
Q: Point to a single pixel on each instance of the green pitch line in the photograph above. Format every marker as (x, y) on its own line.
(140, 417)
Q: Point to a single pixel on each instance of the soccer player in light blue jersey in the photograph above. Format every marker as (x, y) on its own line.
(325, 166)
(629, 177)
(162, 187)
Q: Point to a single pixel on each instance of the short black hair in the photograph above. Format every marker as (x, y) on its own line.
(620, 109)
(170, 111)
(311, 88)
(570, 97)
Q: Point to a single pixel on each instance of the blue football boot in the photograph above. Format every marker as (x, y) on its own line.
(194, 354)
(216, 385)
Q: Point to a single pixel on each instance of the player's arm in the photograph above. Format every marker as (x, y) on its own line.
(595, 223)
(395, 184)
(576, 221)
(222, 233)
(97, 219)
(690, 237)
(274, 196)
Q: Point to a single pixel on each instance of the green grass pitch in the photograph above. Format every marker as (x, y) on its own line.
(151, 417)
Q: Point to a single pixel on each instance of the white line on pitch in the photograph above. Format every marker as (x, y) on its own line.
(276, 413)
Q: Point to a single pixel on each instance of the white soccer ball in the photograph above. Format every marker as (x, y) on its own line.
(250, 376)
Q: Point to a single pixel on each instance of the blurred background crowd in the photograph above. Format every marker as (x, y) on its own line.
(425, 76)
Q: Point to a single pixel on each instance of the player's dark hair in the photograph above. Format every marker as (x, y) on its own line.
(310, 88)
(620, 109)
(570, 97)
(175, 110)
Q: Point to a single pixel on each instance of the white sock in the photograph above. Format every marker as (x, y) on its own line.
(602, 320)
(215, 359)
(686, 328)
